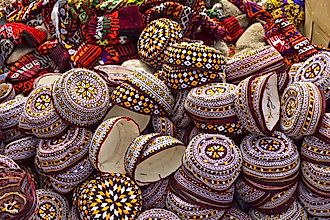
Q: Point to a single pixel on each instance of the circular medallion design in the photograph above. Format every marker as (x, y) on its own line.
(39, 114)
(81, 97)
(216, 151)
(108, 196)
(214, 159)
(51, 206)
(268, 158)
(316, 69)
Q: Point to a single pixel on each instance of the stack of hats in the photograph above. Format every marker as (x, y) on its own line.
(314, 189)
(188, 65)
(162, 110)
(212, 108)
(211, 164)
(270, 173)
(64, 159)
(257, 104)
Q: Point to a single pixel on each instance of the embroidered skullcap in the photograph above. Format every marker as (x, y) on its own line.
(212, 106)
(181, 79)
(315, 150)
(51, 206)
(154, 195)
(187, 210)
(18, 193)
(154, 88)
(110, 142)
(39, 114)
(316, 69)
(213, 159)
(235, 214)
(7, 92)
(143, 95)
(152, 157)
(65, 181)
(314, 204)
(270, 161)
(190, 65)
(195, 191)
(213, 101)
(294, 212)
(10, 112)
(302, 107)
(22, 149)
(59, 153)
(158, 214)
(259, 61)
(194, 56)
(155, 38)
(316, 177)
(257, 104)
(81, 97)
(108, 196)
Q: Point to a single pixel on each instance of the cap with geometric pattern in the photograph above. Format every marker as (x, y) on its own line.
(108, 196)
(213, 159)
(155, 38)
(302, 108)
(81, 97)
(51, 205)
(39, 114)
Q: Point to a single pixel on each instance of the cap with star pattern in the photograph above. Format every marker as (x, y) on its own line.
(81, 97)
(108, 196)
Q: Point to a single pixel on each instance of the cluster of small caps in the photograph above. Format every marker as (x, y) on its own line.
(148, 110)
